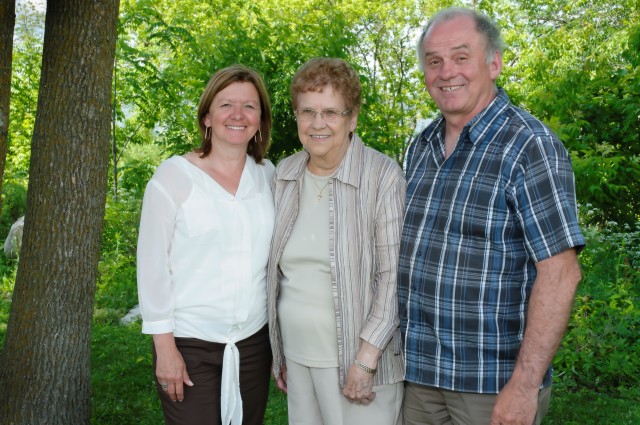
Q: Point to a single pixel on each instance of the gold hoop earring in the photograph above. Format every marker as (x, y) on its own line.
(207, 133)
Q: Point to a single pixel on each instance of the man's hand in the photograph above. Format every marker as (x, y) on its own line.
(515, 405)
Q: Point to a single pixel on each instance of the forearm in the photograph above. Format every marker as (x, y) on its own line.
(368, 354)
(548, 314)
(164, 343)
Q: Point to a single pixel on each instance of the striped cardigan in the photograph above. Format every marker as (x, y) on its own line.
(366, 207)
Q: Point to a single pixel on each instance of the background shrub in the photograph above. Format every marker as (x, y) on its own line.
(600, 348)
(14, 204)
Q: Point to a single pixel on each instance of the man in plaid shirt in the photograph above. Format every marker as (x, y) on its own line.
(488, 259)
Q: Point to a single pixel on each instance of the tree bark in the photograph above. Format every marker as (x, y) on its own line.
(7, 24)
(44, 368)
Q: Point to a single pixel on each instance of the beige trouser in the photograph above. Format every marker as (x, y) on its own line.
(432, 406)
(315, 398)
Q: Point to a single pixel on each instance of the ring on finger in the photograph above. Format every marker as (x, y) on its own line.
(164, 386)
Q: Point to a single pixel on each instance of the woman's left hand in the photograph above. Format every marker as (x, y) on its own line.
(358, 387)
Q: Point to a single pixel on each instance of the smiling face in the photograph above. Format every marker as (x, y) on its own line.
(326, 143)
(234, 115)
(456, 72)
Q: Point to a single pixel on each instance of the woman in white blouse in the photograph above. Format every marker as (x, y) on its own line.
(207, 220)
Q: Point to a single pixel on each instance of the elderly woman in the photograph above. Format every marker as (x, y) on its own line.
(205, 231)
(333, 314)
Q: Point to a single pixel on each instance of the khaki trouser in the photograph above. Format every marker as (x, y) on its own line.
(432, 406)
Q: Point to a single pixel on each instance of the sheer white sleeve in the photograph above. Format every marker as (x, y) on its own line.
(164, 194)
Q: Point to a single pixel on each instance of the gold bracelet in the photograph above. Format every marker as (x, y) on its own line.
(364, 367)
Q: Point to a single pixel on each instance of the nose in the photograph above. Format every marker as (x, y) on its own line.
(318, 121)
(237, 112)
(447, 70)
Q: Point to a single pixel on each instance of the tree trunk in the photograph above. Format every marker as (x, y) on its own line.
(7, 23)
(44, 368)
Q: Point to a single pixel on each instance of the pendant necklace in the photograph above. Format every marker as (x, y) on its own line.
(320, 189)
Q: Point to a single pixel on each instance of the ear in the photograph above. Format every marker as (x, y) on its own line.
(496, 65)
(207, 120)
(353, 122)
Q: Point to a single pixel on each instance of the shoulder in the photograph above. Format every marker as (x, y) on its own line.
(265, 169)
(516, 120)
(523, 119)
(292, 165)
(173, 178)
(421, 140)
(171, 167)
(380, 172)
(381, 162)
(267, 166)
(534, 138)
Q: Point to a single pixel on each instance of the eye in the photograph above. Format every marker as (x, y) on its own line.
(433, 62)
(225, 105)
(307, 113)
(249, 106)
(330, 113)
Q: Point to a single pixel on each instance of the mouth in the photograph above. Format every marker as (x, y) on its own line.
(451, 88)
(319, 136)
(236, 127)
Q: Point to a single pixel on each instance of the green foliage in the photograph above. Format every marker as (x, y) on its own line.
(384, 53)
(25, 79)
(586, 406)
(600, 348)
(14, 204)
(138, 164)
(575, 65)
(116, 289)
(8, 269)
(165, 57)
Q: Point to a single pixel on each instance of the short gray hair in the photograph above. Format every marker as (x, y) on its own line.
(485, 26)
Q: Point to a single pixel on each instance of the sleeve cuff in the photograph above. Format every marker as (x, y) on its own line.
(157, 327)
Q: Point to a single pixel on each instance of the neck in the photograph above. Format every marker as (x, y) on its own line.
(227, 159)
(450, 141)
(320, 169)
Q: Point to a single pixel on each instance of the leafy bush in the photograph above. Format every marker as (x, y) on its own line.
(14, 204)
(600, 348)
(138, 165)
(117, 269)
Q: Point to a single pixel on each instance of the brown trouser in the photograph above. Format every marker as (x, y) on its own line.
(425, 405)
(201, 404)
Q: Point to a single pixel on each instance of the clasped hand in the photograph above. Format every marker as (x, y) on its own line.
(358, 387)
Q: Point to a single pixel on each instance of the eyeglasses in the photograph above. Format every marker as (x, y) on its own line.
(328, 115)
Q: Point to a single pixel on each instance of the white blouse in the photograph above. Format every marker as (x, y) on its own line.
(202, 254)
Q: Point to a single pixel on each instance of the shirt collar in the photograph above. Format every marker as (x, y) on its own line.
(481, 124)
(477, 128)
(347, 172)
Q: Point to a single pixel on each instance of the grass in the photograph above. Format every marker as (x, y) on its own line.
(588, 407)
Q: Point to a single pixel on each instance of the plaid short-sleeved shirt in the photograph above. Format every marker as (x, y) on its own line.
(475, 225)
